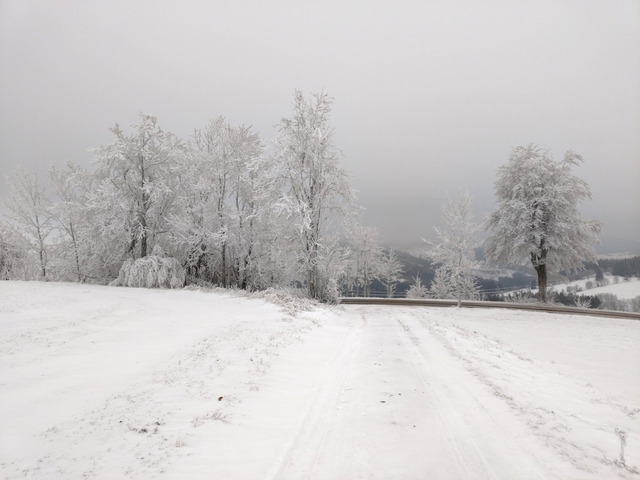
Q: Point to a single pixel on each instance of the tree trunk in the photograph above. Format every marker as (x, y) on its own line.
(143, 243)
(75, 251)
(43, 270)
(312, 268)
(223, 253)
(541, 270)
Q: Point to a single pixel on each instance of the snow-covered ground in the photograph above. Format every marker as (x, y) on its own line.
(620, 288)
(106, 382)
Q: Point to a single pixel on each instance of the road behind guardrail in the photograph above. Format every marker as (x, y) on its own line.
(422, 302)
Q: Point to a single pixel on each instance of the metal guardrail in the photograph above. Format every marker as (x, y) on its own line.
(480, 304)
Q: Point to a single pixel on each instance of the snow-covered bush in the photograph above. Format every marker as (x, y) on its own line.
(524, 296)
(292, 301)
(612, 302)
(582, 302)
(417, 290)
(329, 292)
(153, 271)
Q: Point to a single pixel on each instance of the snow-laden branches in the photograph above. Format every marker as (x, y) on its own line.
(537, 218)
(222, 206)
(29, 219)
(455, 252)
(316, 187)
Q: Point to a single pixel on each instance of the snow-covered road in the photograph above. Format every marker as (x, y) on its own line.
(104, 382)
(394, 403)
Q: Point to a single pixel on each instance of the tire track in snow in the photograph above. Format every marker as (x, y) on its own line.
(300, 454)
(392, 403)
(477, 440)
(517, 380)
(459, 444)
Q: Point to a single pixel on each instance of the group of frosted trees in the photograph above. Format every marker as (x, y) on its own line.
(226, 208)
(536, 222)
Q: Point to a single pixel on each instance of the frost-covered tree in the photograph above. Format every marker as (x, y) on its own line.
(537, 218)
(134, 193)
(14, 262)
(226, 197)
(441, 285)
(73, 243)
(390, 272)
(29, 217)
(366, 256)
(317, 189)
(455, 251)
(417, 289)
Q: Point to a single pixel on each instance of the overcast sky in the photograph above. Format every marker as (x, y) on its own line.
(430, 96)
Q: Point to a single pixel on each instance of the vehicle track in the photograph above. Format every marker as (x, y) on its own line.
(430, 424)
(300, 455)
(479, 443)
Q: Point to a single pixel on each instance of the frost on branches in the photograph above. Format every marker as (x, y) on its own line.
(153, 271)
(135, 184)
(228, 211)
(368, 262)
(28, 226)
(366, 257)
(316, 188)
(223, 206)
(537, 217)
(455, 254)
(417, 289)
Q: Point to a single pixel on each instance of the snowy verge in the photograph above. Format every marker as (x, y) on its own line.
(109, 381)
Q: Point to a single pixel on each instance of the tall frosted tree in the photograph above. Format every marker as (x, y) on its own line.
(224, 188)
(366, 256)
(454, 253)
(391, 273)
(29, 217)
(317, 189)
(134, 185)
(537, 218)
(70, 185)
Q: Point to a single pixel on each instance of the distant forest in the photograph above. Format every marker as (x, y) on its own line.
(424, 269)
(623, 267)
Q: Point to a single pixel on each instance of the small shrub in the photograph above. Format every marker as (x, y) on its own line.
(153, 271)
(417, 290)
(582, 302)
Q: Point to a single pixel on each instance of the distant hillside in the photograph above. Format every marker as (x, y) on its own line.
(621, 267)
(496, 280)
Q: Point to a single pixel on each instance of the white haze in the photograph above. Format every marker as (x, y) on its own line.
(429, 96)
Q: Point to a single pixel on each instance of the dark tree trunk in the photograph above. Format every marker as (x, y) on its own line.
(43, 270)
(541, 270)
(539, 262)
(143, 246)
(223, 253)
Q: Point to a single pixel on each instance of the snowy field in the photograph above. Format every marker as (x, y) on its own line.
(106, 382)
(622, 289)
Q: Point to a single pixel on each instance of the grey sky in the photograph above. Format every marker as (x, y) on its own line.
(430, 96)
